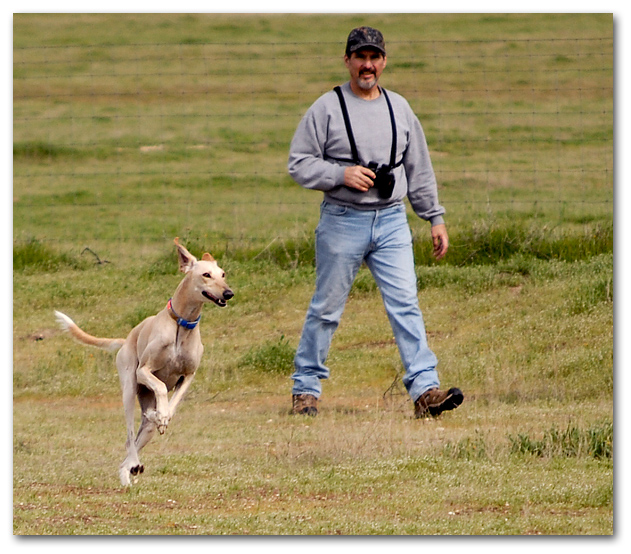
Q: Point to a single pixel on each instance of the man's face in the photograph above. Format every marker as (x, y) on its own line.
(365, 67)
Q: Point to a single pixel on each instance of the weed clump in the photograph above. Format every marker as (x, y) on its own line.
(595, 442)
(33, 255)
(591, 293)
(494, 243)
(39, 150)
(467, 448)
(271, 357)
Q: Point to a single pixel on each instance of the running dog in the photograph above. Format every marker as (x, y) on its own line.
(161, 353)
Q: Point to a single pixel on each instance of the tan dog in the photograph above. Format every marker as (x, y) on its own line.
(161, 353)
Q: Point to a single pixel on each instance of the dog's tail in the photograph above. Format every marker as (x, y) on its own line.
(111, 345)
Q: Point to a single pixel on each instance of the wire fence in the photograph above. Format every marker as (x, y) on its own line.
(144, 140)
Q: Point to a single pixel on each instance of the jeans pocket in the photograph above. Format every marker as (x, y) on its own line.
(333, 209)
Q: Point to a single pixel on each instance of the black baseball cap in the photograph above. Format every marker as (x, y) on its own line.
(365, 37)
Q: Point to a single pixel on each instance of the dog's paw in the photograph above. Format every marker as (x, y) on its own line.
(151, 416)
(137, 470)
(129, 475)
(161, 421)
(125, 477)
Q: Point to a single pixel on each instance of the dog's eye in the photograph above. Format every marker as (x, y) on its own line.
(223, 274)
(207, 275)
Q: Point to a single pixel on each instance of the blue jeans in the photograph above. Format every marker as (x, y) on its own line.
(346, 237)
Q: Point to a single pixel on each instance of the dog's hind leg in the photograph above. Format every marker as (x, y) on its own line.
(147, 401)
(131, 464)
(180, 390)
(147, 428)
(160, 416)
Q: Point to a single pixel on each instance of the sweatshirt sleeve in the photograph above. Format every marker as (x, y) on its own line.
(307, 165)
(422, 186)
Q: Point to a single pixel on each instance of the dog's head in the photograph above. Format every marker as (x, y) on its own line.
(208, 280)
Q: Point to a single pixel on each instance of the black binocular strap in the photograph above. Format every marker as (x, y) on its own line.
(349, 129)
(351, 137)
(393, 149)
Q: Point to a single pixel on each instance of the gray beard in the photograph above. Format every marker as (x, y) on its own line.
(366, 86)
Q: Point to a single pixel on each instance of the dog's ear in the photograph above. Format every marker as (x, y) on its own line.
(207, 257)
(185, 258)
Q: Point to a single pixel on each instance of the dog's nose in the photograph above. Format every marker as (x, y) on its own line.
(228, 294)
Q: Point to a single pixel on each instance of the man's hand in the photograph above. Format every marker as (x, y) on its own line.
(359, 178)
(440, 239)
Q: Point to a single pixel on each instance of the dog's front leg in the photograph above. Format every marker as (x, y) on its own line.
(160, 417)
(179, 393)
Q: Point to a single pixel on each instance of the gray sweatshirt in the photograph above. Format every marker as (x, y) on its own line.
(321, 136)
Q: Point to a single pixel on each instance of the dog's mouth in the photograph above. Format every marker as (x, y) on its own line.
(219, 301)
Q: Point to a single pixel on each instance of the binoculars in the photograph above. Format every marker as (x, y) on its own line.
(384, 179)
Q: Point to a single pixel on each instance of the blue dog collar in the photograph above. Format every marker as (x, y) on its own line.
(180, 320)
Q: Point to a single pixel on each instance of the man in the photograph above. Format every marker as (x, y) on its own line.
(352, 144)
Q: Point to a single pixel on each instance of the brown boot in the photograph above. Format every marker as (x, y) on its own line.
(306, 404)
(435, 401)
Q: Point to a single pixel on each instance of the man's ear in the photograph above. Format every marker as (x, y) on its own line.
(185, 258)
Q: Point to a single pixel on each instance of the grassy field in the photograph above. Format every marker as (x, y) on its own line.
(131, 130)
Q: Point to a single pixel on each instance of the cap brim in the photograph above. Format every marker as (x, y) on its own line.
(367, 45)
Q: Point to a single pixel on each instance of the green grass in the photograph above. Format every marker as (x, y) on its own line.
(536, 373)
(596, 442)
(118, 121)
(35, 256)
(130, 130)
(270, 357)
(366, 471)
